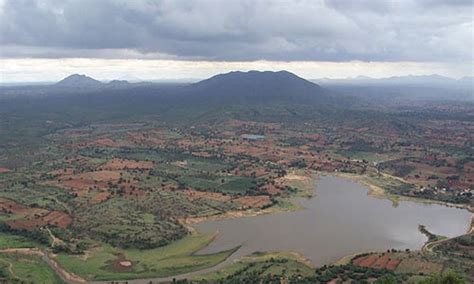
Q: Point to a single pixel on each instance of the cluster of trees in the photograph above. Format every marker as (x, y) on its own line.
(39, 236)
(360, 145)
(144, 237)
(448, 277)
(351, 272)
(397, 167)
(459, 198)
(300, 164)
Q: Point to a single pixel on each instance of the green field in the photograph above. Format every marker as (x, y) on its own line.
(12, 241)
(101, 263)
(17, 268)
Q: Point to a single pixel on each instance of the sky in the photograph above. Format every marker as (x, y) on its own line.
(46, 40)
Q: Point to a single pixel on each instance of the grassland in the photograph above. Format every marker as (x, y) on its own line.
(261, 266)
(103, 262)
(14, 241)
(26, 269)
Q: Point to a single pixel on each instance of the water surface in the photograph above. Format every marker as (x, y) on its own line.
(341, 219)
(253, 136)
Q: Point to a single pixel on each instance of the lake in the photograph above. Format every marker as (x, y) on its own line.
(340, 219)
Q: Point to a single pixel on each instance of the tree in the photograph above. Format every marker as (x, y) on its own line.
(448, 277)
(387, 279)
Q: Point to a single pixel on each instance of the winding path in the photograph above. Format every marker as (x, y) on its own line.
(62, 273)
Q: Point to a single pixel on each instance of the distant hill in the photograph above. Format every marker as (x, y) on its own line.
(118, 83)
(78, 81)
(403, 88)
(434, 80)
(256, 86)
(239, 92)
(467, 81)
(130, 78)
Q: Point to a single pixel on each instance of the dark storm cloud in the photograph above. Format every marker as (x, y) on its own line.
(337, 30)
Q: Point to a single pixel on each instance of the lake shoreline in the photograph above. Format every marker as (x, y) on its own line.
(372, 190)
(378, 192)
(312, 177)
(308, 178)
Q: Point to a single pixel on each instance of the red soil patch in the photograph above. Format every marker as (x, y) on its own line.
(121, 164)
(10, 206)
(169, 187)
(201, 154)
(100, 197)
(150, 137)
(81, 183)
(101, 175)
(382, 261)
(26, 224)
(393, 263)
(58, 218)
(105, 142)
(134, 192)
(469, 166)
(271, 189)
(366, 261)
(260, 172)
(245, 149)
(377, 261)
(4, 170)
(55, 218)
(247, 202)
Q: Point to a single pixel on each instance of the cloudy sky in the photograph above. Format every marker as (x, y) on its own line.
(45, 40)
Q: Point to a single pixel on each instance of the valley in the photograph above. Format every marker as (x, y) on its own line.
(115, 184)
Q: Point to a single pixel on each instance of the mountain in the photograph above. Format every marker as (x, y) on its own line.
(78, 81)
(118, 83)
(256, 86)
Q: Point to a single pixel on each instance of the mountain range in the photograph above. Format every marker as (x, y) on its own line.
(233, 87)
(266, 87)
(85, 82)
